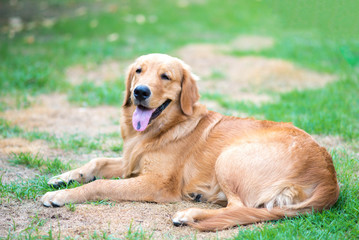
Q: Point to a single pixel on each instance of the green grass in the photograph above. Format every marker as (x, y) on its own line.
(88, 94)
(25, 189)
(78, 141)
(318, 53)
(340, 222)
(45, 166)
(71, 207)
(137, 233)
(35, 187)
(332, 110)
(72, 40)
(101, 202)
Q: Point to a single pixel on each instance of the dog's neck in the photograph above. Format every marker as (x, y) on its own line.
(161, 132)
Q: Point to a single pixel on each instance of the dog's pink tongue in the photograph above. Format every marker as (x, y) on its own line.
(141, 118)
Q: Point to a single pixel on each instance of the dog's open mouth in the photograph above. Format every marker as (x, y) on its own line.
(143, 116)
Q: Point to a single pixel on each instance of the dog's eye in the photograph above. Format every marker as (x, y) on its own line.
(139, 70)
(164, 76)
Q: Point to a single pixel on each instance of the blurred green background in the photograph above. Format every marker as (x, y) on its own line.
(54, 34)
(40, 39)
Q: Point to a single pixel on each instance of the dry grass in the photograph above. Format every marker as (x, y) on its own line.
(98, 74)
(11, 173)
(337, 143)
(20, 145)
(251, 43)
(113, 219)
(53, 114)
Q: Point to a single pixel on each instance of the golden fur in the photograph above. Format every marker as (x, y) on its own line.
(258, 170)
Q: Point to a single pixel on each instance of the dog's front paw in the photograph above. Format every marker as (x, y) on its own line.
(60, 180)
(56, 198)
(76, 175)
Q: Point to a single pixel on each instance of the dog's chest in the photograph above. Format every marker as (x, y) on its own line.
(165, 161)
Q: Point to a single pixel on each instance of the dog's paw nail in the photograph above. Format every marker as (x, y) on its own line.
(55, 204)
(56, 182)
(178, 222)
(54, 199)
(180, 219)
(56, 185)
(59, 183)
(46, 204)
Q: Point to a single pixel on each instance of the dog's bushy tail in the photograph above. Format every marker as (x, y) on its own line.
(239, 215)
(235, 215)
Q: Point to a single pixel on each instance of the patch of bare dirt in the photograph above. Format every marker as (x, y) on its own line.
(242, 78)
(18, 101)
(214, 106)
(186, 3)
(11, 173)
(153, 218)
(98, 74)
(20, 145)
(42, 149)
(251, 43)
(330, 142)
(11, 146)
(53, 114)
(337, 142)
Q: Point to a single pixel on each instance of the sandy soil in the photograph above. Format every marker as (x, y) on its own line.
(10, 173)
(107, 71)
(114, 219)
(10, 146)
(250, 43)
(52, 113)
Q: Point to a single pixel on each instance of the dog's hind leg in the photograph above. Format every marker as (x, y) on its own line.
(244, 173)
(192, 215)
(96, 168)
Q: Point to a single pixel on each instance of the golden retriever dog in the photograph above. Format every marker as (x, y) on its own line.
(175, 149)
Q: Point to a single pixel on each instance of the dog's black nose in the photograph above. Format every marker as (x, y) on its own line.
(142, 92)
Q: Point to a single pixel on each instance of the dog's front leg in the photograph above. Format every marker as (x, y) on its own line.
(96, 168)
(143, 188)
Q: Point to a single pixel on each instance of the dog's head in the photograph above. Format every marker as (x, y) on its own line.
(156, 82)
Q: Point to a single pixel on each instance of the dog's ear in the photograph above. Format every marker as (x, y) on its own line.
(189, 94)
(129, 77)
